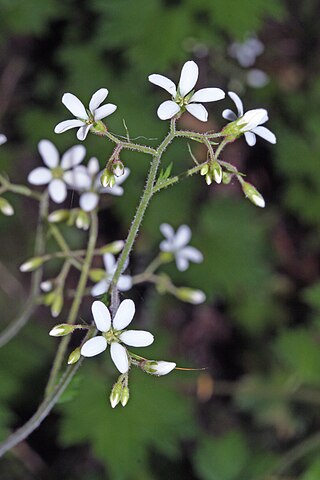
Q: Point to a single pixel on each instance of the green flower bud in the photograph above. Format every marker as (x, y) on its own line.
(59, 216)
(204, 170)
(118, 168)
(209, 178)
(252, 194)
(31, 264)
(116, 393)
(57, 305)
(114, 247)
(107, 178)
(61, 330)
(158, 368)
(82, 220)
(5, 207)
(226, 177)
(74, 356)
(216, 171)
(49, 298)
(97, 274)
(125, 396)
(190, 295)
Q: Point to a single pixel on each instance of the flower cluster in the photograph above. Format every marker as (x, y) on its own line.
(177, 245)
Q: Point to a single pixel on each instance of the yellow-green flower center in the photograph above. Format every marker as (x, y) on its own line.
(57, 172)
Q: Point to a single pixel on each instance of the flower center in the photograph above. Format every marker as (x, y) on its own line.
(57, 172)
(112, 335)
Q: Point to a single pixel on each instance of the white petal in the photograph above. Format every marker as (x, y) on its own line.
(167, 231)
(163, 368)
(67, 124)
(93, 167)
(49, 153)
(109, 262)
(136, 338)
(73, 156)
(250, 138)
(167, 246)
(163, 82)
(182, 237)
(77, 178)
(57, 190)
(252, 118)
(181, 262)
(40, 176)
(124, 314)
(101, 316)
(198, 111)
(208, 95)
(104, 111)
(119, 357)
(192, 254)
(167, 110)
(83, 132)
(3, 139)
(126, 173)
(265, 133)
(100, 288)
(94, 346)
(88, 201)
(238, 102)
(75, 106)
(188, 77)
(124, 283)
(229, 115)
(97, 98)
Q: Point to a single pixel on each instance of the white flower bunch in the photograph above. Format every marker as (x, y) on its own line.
(177, 244)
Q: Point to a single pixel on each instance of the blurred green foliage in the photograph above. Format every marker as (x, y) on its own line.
(260, 333)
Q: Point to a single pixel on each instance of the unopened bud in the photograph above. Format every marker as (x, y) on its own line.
(118, 168)
(61, 330)
(253, 195)
(226, 177)
(57, 305)
(125, 395)
(59, 216)
(46, 286)
(204, 170)
(107, 179)
(49, 298)
(5, 207)
(31, 264)
(82, 220)
(115, 395)
(74, 356)
(158, 368)
(209, 178)
(190, 295)
(216, 172)
(114, 247)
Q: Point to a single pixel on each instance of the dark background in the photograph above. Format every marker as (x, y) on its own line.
(254, 413)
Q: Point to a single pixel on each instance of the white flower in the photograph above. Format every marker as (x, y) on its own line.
(176, 243)
(56, 174)
(159, 367)
(113, 333)
(247, 52)
(183, 96)
(124, 283)
(87, 181)
(250, 122)
(85, 118)
(3, 139)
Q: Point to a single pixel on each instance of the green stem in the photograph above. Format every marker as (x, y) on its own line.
(30, 305)
(143, 204)
(130, 145)
(172, 180)
(19, 189)
(76, 302)
(64, 246)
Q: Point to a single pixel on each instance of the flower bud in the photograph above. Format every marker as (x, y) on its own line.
(82, 220)
(190, 295)
(116, 394)
(158, 368)
(57, 305)
(46, 286)
(61, 330)
(59, 216)
(114, 247)
(97, 274)
(48, 298)
(226, 178)
(5, 207)
(31, 264)
(74, 356)
(216, 171)
(252, 194)
(209, 178)
(204, 170)
(125, 396)
(118, 168)
(107, 178)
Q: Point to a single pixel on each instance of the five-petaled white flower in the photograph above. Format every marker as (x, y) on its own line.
(176, 243)
(183, 97)
(90, 184)
(57, 175)
(250, 122)
(124, 283)
(85, 118)
(114, 333)
(3, 138)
